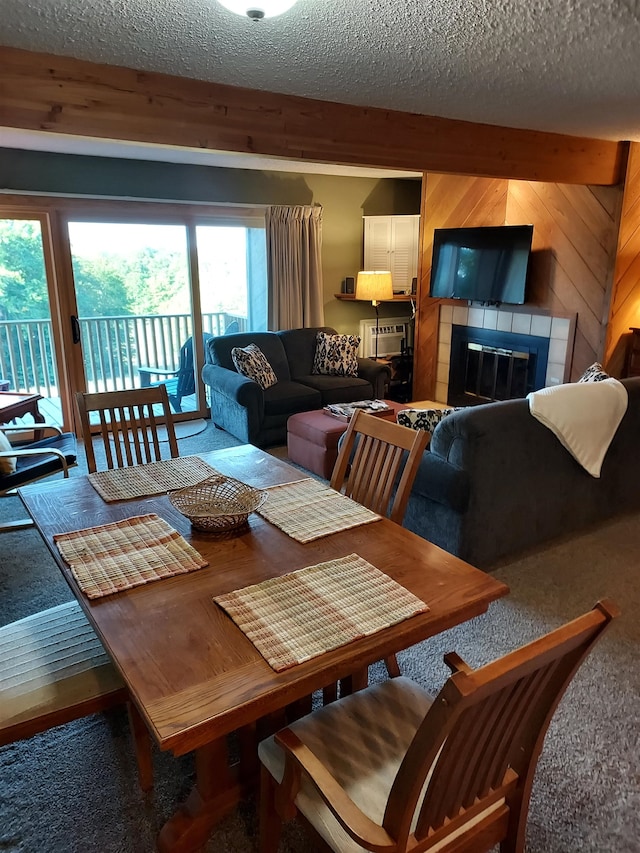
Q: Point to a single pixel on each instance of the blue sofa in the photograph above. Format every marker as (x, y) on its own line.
(256, 416)
(495, 481)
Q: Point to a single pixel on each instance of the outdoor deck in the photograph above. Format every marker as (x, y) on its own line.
(118, 353)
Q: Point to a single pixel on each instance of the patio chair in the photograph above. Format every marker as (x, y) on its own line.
(128, 425)
(26, 461)
(392, 769)
(179, 383)
(376, 466)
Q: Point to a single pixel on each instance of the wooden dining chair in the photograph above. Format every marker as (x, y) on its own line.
(376, 466)
(128, 423)
(392, 770)
(53, 669)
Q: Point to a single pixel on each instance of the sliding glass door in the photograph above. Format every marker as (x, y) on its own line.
(104, 296)
(27, 343)
(133, 295)
(139, 291)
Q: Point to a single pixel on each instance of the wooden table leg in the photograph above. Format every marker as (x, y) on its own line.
(215, 793)
(38, 418)
(357, 680)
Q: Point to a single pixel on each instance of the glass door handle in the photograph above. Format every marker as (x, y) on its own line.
(75, 329)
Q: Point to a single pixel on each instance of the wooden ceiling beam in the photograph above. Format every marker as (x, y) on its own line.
(42, 92)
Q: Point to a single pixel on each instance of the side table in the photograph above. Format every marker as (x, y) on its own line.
(14, 406)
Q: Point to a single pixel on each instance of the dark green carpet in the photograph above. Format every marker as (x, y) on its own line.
(74, 789)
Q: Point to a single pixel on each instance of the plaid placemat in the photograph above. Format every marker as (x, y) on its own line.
(138, 481)
(307, 510)
(298, 616)
(126, 553)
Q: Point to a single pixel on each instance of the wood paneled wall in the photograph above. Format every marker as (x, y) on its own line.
(574, 242)
(625, 298)
(70, 96)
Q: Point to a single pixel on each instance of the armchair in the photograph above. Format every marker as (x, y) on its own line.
(33, 461)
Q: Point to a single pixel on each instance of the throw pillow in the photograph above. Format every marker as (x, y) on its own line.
(251, 362)
(7, 463)
(426, 419)
(336, 355)
(594, 373)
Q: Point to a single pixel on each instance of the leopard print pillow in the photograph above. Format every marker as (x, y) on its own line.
(594, 373)
(426, 419)
(336, 355)
(252, 363)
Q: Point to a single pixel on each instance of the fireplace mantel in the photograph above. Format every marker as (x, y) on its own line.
(559, 330)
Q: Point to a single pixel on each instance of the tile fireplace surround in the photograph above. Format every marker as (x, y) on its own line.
(559, 330)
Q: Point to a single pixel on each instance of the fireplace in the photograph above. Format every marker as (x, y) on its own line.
(498, 367)
(489, 365)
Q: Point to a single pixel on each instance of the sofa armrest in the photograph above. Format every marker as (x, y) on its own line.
(377, 374)
(439, 481)
(238, 388)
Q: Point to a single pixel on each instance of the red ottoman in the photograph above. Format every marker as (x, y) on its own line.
(312, 438)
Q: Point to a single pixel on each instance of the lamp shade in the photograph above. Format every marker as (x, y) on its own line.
(259, 9)
(374, 286)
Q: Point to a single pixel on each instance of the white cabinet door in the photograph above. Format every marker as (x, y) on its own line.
(377, 242)
(391, 243)
(404, 250)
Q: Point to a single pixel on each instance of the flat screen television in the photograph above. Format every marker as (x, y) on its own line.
(487, 264)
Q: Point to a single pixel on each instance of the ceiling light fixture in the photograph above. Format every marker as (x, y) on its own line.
(259, 9)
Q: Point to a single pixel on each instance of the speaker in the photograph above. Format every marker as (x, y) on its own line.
(349, 284)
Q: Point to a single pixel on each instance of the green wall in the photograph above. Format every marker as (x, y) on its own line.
(344, 200)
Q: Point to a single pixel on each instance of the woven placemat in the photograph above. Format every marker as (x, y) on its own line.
(127, 553)
(301, 615)
(138, 481)
(307, 510)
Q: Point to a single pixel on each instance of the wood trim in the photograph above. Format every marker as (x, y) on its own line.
(42, 92)
(126, 209)
(350, 297)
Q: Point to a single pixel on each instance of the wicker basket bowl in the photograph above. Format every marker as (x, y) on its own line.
(218, 503)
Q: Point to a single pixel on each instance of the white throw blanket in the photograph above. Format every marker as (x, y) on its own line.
(584, 416)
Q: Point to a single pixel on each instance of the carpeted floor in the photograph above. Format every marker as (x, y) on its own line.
(74, 788)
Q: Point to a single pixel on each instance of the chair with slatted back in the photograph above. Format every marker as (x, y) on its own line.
(128, 424)
(377, 463)
(376, 466)
(53, 669)
(392, 770)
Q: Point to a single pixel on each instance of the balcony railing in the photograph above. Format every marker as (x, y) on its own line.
(113, 349)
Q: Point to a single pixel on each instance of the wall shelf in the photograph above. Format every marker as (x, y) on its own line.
(399, 297)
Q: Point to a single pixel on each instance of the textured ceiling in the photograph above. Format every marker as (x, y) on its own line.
(571, 66)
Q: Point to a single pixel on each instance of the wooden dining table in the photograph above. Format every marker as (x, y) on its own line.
(191, 672)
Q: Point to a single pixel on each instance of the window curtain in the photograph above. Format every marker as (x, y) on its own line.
(294, 268)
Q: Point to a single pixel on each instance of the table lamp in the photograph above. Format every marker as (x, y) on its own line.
(374, 286)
